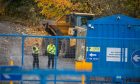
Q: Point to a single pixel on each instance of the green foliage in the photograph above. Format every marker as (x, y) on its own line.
(109, 7)
(34, 9)
(22, 9)
(133, 8)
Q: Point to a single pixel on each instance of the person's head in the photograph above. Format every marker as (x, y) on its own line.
(51, 42)
(36, 44)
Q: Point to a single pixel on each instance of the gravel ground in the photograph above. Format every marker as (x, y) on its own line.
(10, 47)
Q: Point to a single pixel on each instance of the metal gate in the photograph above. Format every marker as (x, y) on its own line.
(18, 49)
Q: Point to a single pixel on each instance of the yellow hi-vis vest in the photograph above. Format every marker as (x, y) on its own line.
(51, 49)
(35, 50)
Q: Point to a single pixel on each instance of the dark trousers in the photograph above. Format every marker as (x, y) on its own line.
(50, 59)
(35, 61)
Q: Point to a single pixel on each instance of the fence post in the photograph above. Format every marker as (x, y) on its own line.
(11, 63)
(23, 38)
(56, 57)
(42, 79)
(83, 79)
(22, 46)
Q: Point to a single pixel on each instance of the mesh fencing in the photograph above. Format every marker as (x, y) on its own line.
(10, 49)
(68, 51)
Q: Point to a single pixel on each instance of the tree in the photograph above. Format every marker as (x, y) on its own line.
(133, 8)
(26, 10)
(54, 8)
(109, 7)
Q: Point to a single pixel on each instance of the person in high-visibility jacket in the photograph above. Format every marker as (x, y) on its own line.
(35, 54)
(51, 50)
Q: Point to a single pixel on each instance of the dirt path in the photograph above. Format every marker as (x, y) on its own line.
(10, 28)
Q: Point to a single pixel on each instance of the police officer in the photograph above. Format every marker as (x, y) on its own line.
(51, 50)
(35, 54)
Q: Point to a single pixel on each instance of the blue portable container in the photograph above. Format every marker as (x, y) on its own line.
(113, 45)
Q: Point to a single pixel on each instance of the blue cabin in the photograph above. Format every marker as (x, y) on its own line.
(113, 45)
(120, 26)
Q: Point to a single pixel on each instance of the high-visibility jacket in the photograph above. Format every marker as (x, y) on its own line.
(35, 50)
(51, 49)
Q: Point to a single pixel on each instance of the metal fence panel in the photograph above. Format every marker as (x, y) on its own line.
(111, 57)
(10, 49)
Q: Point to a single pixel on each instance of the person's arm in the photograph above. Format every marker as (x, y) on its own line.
(36, 49)
(48, 48)
(54, 49)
